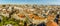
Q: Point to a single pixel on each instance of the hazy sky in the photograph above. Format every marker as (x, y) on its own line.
(54, 2)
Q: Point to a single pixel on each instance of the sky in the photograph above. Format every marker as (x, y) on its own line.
(44, 2)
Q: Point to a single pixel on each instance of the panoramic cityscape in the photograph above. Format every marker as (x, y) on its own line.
(29, 13)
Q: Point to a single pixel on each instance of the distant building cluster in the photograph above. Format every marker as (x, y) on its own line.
(19, 12)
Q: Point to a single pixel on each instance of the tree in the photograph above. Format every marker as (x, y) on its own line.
(3, 5)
